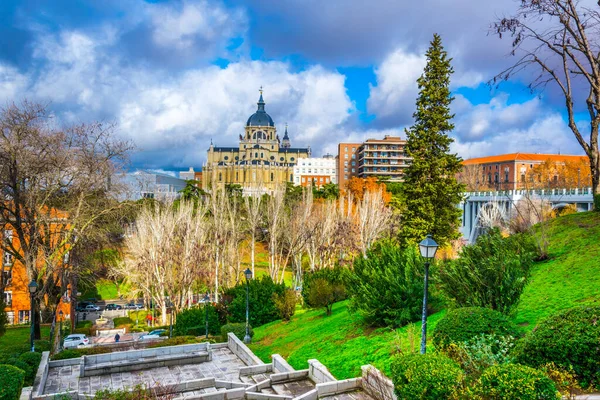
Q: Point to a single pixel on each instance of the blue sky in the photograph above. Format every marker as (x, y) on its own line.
(172, 75)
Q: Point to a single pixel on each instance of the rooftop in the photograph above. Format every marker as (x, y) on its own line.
(525, 157)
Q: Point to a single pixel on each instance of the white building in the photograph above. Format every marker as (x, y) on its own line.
(315, 171)
(154, 185)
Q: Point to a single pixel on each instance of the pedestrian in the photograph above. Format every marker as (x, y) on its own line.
(117, 337)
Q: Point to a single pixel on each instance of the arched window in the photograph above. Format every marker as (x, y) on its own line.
(220, 177)
(272, 177)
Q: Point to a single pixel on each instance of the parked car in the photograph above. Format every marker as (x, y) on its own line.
(77, 339)
(82, 305)
(91, 308)
(92, 300)
(113, 307)
(133, 306)
(155, 334)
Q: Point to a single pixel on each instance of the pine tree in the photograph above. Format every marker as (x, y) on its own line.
(430, 187)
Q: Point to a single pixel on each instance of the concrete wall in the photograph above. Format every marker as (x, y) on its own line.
(376, 384)
(337, 387)
(41, 376)
(280, 365)
(318, 373)
(242, 351)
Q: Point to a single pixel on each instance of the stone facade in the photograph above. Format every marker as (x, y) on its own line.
(260, 159)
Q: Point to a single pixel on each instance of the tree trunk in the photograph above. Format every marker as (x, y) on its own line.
(253, 245)
(595, 171)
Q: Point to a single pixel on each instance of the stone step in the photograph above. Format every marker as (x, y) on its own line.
(247, 379)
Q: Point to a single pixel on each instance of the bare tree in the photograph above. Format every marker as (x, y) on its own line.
(254, 216)
(276, 219)
(56, 184)
(372, 219)
(560, 40)
(472, 176)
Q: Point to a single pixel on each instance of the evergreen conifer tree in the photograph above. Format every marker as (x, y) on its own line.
(430, 187)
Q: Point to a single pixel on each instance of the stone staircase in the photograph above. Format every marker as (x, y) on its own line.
(254, 379)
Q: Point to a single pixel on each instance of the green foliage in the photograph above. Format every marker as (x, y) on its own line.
(483, 351)
(426, 376)
(23, 366)
(42, 345)
(178, 340)
(491, 273)
(285, 303)
(122, 321)
(597, 202)
(330, 191)
(262, 306)
(192, 322)
(238, 330)
(323, 294)
(85, 331)
(514, 382)
(569, 339)
(191, 191)
(84, 324)
(138, 392)
(337, 276)
(430, 186)
(11, 382)
(75, 353)
(31, 361)
(464, 324)
(387, 286)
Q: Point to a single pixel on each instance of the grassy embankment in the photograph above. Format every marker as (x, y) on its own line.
(570, 277)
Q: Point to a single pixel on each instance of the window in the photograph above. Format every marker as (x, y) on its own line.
(220, 176)
(7, 277)
(346, 156)
(346, 176)
(346, 163)
(24, 316)
(8, 235)
(353, 163)
(237, 176)
(345, 169)
(292, 159)
(353, 149)
(353, 156)
(346, 149)
(291, 177)
(7, 259)
(353, 170)
(8, 299)
(255, 155)
(506, 176)
(226, 158)
(272, 177)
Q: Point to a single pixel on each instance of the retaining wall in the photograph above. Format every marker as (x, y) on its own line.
(318, 372)
(376, 384)
(280, 364)
(238, 348)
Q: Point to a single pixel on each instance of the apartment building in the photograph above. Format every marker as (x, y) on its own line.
(347, 162)
(383, 158)
(315, 171)
(516, 170)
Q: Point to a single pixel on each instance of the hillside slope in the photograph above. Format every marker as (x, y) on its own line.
(569, 278)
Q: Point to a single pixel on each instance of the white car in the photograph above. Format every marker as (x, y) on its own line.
(91, 308)
(155, 334)
(77, 339)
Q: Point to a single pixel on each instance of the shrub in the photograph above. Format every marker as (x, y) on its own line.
(85, 331)
(177, 340)
(23, 366)
(565, 380)
(387, 286)
(490, 273)
(463, 324)
(85, 324)
(3, 318)
(515, 381)
(568, 339)
(122, 321)
(285, 303)
(427, 376)
(262, 306)
(11, 382)
(42, 345)
(238, 330)
(481, 352)
(193, 318)
(325, 294)
(75, 353)
(32, 360)
(337, 277)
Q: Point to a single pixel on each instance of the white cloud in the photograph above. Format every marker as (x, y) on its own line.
(12, 84)
(182, 27)
(171, 118)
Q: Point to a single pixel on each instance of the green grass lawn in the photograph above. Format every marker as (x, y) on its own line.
(106, 289)
(339, 341)
(571, 276)
(16, 338)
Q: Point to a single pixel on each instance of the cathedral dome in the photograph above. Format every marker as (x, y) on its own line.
(260, 117)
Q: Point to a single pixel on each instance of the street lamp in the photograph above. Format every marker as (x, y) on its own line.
(60, 316)
(206, 300)
(427, 247)
(33, 286)
(248, 275)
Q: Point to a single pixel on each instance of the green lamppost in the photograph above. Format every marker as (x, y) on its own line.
(60, 332)
(206, 301)
(248, 275)
(33, 286)
(428, 248)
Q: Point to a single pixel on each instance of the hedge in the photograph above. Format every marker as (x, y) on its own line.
(515, 382)
(11, 382)
(74, 353)
(427, 376)
(238, 330)
(463, 324)
(120, 321)
(568, 338)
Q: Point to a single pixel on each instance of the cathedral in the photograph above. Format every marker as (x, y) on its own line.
(261, 160)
